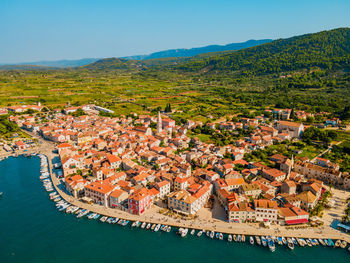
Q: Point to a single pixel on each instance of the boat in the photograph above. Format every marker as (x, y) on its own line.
(193, 232)
(239, 238)
(143, 225)
(263, 241)
(153, 226)
(184, 232)
(271, 245)
(168, 229)
(221, 236)
(251, 240)
(217, 235)
(331, 243)
(279, 241)
(212, 233)
(207, 233)
(97, 216)
(308, 242)
(291, 245)
(284, 240)
(126, 222)
(199, 233)
(243, 238)
(258, 240)
(157, 227)
(321, 242)
(337, 243)
(148, 226)
(343, 244)
(229, 238)
(91, 216)
(133, 224)
(294, 241)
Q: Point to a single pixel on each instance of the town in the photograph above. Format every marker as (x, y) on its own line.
(137, 162)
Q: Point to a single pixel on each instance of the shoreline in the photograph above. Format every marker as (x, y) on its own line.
(212, 225)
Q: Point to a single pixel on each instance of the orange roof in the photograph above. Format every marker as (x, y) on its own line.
(100, 186)
(139, 195)
(263, 203)
(235, 181)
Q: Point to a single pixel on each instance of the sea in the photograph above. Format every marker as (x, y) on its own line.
(33, 230)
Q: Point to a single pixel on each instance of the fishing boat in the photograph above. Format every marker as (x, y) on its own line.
(239, 238)
(217, 235)
(133, 224)
(331, 243)
(291, 245)
(157, 228)
(148, 226)
(321, 242)
(258, 241)
(251, 240)
(143, 225)
(284, 240)
(184, 232)
(199, 233)
(221, 236)
(153, 226)
(235, 238)
(263, 241)
(279, 241)
(337, 243)
(168, 229)
(343, 244)
(212, 233)
(115, 221)
(294, 241)
(193, 231)
(271, 245)
(243, 238)
(308, 242)
(229, 238)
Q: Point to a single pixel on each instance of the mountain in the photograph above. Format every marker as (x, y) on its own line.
(177, 53)
(326, 50)
(57, 63)
(25, 67)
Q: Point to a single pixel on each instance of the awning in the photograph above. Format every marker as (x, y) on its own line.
(297, 221)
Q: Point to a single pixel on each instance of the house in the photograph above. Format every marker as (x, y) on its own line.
(116, 197)
(252, 190)
(265, 210)
(273, 174)
(240, 212)
(98, 191)
(75, 185)
(288, 187)
(293, 215)
(307, 200)
(294, 129)
(163, 187)
(139, 201)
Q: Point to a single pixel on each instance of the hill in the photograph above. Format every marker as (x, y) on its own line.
(326, 50)
(114, 64)
(177, 53)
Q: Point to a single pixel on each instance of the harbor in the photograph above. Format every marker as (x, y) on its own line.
(269, 241)
(57, 227)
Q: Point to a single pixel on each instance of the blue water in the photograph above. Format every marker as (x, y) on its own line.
(32, 230)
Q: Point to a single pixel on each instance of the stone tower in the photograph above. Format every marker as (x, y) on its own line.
(159, 123)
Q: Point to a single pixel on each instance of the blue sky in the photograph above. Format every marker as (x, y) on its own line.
(32, 30)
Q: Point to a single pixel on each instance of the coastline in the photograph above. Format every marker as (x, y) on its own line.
(200, 224)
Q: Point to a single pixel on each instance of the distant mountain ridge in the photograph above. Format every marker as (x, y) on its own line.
(176, 53)
(64, 63)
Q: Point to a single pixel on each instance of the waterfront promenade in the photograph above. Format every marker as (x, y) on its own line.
(153, 216)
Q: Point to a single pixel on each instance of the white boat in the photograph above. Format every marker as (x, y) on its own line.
(251, 240)
(153, 226)
(148, 226)
(343, 244)
(221, 236)
(168, 229)
(184, 232)
(199, 233)
(143, 225)
(133, 224)
(156, 228)
(103, 219)
(229, 238)
(258, 241)
(212, 233)
(193, 232)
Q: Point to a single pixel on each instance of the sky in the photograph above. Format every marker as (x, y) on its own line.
(35, 30)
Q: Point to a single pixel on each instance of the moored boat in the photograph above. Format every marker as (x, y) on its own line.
(229, 238)
(221, 236)
(337, 243)
(212, 233)
(258, 240)
(343, 244)
(193, 231)
(199, 233)
(251, 240)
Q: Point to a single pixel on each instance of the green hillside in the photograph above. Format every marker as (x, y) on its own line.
(325, 50)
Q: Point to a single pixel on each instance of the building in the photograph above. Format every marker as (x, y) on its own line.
(294, 129)
(293, 215)
(139, 201)
(265, 210)
(98, 191)
(117, 197)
